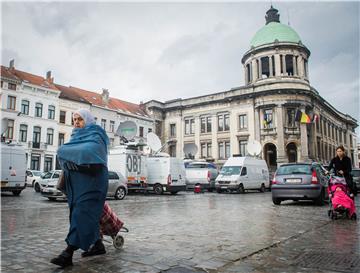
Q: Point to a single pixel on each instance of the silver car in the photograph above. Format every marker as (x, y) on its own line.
(117, 188)
(356, 177)
(300, 181)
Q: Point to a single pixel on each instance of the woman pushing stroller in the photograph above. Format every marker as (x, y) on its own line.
(340, 186)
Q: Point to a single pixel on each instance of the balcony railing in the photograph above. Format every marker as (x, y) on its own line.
(37, 145)
(268, 131)
(292, 130)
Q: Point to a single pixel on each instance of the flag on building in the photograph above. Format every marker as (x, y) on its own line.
(298, 115)
(315, 118)
(305, 118)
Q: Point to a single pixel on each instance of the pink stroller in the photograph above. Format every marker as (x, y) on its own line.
(111, 225)
(341, 202)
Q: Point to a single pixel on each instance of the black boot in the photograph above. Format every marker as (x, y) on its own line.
(97, 249)
(63, 260)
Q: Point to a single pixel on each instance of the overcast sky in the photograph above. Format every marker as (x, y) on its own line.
(163, 51)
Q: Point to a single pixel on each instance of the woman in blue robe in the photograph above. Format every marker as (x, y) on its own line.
(84, 163)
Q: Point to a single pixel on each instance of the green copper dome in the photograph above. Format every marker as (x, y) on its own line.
(274, 31)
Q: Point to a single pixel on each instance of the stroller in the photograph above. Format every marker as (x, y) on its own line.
(341, 203)
(111, 225)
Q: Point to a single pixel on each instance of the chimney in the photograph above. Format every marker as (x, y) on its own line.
(105, 95)
(48, 77)
(12, 64)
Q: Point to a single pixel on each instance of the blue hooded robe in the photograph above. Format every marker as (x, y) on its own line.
(86, 190)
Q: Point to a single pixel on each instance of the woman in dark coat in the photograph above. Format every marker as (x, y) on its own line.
(342, 166)
(84, 163)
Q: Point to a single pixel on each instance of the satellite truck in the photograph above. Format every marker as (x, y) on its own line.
(165, 173)
(128, 159)
(241, 173)
(13, 164)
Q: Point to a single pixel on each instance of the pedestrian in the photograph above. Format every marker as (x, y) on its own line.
(84, 163)
(342, 166)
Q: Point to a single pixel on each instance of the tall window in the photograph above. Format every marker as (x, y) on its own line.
(112, 126)
(25, 107)
(10, 129)
(103, 123)
(48, 163)
(172, 150)
(189, 126)
(224, 122)
(37, 136)
(291, 117)
(61, 139)
(206, 150)
(23, 133)
(224, 149)
(243, 122)
(268, 119)
(173, 130)
(35, 162)
(11, 102)
(141, 131)
(243, 147)
(62, 117)
(38, 109)
(50, 136)
(205, 125)
(51, 113)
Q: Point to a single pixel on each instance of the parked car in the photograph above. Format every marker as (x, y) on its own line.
(356, 178)
(243, 173)
(300, 181)
(201, 173)
(44, 177)
(117, 187)
(47, 184)
(32, 176)
(165, 174)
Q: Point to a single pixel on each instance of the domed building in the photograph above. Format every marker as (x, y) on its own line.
(277, 106)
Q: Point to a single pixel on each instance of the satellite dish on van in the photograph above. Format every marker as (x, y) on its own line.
(153, 141)
(127, 129)
(254, 148)
(190, 150)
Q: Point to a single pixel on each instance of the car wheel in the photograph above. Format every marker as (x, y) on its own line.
(262, 188)
(158, 189)
(241, 189)
(33, 183)
(52, 198)
(120, 193)
(276, 201)
(16, 193)
(320, 200)
(37, 187)
(219, 191)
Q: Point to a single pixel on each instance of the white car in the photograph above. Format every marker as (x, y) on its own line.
(45, 178)
(117, 187)
(32, 176)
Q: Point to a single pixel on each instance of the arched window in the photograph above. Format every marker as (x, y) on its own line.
(265, 67)
(38, 109)
(23, 133)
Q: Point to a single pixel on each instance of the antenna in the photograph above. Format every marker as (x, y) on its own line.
(254, 148)
(288, 14)
(190, 150)
(127, 130)
(154, 142)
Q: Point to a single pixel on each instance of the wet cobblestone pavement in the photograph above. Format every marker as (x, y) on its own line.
(186, 233)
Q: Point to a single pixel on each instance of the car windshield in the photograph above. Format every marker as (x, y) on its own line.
(46, 175)
(356, 173)
(230, 170)
(294, 169)
(37, 173)
(196, 166)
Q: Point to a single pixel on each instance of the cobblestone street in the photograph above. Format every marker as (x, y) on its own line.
(186, 233)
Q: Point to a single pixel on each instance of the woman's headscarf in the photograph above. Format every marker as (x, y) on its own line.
(86, 115)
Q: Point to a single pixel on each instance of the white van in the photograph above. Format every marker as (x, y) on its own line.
(166, 174)
(13, 168)
(131, 164)
(242, 173)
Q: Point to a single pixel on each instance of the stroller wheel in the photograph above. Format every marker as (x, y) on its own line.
(353, 217)
(118, 242)
(329, 213)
